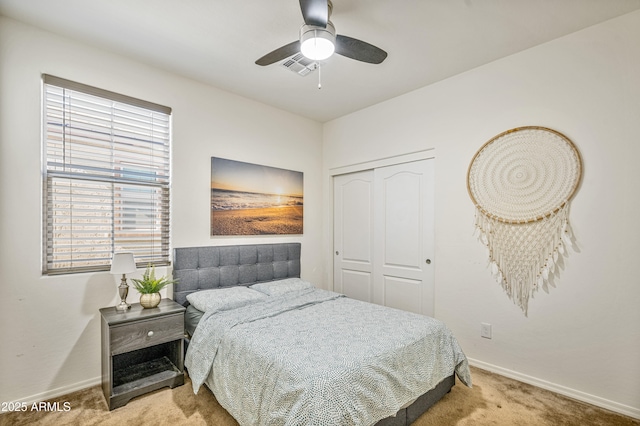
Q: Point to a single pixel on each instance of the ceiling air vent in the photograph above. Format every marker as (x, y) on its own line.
(300, 64)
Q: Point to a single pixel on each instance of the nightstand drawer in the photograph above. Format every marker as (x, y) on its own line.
(142, 334)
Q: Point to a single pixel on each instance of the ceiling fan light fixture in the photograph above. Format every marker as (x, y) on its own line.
(317, 43)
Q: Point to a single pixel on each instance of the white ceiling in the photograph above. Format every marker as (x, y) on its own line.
(217, 41)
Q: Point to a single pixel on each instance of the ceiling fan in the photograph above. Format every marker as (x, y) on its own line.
(318, 39)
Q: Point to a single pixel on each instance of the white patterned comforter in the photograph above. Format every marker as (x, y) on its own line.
(314, 357)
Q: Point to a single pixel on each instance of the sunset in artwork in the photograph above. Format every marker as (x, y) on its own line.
(250, 199)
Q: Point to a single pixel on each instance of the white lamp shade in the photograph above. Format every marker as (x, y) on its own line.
(123, 263)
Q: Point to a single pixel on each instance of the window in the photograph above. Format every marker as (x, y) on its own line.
(106, 178)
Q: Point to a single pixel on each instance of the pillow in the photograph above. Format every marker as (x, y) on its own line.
(223, 299)
(275, 288)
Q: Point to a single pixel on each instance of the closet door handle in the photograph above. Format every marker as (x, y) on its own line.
(428, 261)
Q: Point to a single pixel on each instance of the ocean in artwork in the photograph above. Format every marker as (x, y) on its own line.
(222, 200)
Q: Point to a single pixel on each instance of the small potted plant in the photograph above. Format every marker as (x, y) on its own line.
(149, 287)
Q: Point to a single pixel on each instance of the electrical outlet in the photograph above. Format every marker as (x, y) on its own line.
(485, 330)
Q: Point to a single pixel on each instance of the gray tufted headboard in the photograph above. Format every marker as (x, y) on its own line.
(201, 268)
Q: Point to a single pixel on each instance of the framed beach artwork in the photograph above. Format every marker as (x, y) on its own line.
(250, 199)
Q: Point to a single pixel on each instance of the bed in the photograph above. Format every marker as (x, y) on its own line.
(295, 354)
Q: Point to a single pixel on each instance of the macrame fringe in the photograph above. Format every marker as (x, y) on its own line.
(523, 256)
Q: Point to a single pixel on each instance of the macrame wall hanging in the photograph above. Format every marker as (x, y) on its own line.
(521, 182)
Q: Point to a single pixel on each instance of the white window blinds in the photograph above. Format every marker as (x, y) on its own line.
(106, 178)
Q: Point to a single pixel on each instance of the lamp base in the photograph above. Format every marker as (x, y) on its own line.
(123, 306)
(123, 290)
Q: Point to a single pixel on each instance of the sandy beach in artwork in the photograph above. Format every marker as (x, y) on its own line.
(271, 220)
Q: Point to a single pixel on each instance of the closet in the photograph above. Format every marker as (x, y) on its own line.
(384, 235)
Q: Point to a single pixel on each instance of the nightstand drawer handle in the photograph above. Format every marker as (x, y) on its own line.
(150, 333)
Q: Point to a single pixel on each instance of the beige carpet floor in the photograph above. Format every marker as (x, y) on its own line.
(493, 400)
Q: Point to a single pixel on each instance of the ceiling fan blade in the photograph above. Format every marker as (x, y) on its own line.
(315, 12)
(359, 50)
(280, 54)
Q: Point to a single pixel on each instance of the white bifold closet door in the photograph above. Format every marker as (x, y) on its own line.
(384, 237)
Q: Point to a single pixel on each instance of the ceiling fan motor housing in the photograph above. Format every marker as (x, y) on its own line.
(317, 43)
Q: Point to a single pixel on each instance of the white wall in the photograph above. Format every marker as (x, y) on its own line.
(50, 326)
(583, 338)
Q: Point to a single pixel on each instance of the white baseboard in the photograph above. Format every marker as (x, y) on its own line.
(562, 390)
(61, 391)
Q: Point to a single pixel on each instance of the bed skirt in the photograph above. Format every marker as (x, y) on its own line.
(408, 415)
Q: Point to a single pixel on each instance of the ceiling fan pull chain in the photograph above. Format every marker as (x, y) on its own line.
(319, 76)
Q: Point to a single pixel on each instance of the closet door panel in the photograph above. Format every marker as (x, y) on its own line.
(353, 235)
(403, 236)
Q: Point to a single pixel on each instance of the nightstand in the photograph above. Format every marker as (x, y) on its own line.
(142, 350)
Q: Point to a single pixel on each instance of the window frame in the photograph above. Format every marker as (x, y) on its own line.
(119, 181)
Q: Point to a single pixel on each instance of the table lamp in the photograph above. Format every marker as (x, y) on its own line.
(123, 263)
